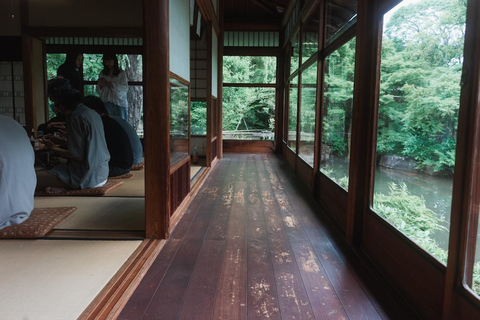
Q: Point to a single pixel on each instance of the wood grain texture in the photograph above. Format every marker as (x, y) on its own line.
(251, 246)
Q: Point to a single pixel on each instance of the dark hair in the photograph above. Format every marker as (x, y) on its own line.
(71, 57)
(116, 67)
(96, 104)
(70, 102)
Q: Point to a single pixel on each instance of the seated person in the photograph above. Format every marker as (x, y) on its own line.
(118, 143)
(17, 173)
(86, 148)
(135, 142)
(55, 124)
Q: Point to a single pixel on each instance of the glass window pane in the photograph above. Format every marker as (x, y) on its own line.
(310, 36)
(307, 114)
(292, 115)
(337, 117)
(476, 268)
(248, 113)
(339, 18)
(294, 53)
(198, 118)
(178, 120)
(246, 69)
(422, 53)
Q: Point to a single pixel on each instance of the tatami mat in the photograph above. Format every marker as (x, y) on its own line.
(99, 213)
(50, 280)
(194, 170)
(132, 187)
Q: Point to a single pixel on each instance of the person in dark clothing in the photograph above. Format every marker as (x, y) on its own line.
(69, 69)
(118, 142)
(55, 124)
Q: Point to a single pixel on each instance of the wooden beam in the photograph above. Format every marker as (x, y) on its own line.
(157, 118)
(246, 25)
(320, 94)
(27, 57)
(94, 32)
(220, 86)
(280, 99)
(466, 188)
(364, 118)
(210, 133)
(208, 12)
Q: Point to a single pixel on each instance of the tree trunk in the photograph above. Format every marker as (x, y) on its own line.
(135, 93)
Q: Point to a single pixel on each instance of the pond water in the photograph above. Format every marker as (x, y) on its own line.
(436, 190)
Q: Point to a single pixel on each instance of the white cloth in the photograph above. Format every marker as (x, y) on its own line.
(17, 173)
(117, 94)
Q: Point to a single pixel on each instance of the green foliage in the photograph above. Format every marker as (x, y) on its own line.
(422, 52)
(198, 118)
(178, 110)
(476, 278)
(408, 214)
(248, 108)
(339, 76)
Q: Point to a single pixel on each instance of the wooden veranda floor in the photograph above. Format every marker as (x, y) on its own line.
(254, 245)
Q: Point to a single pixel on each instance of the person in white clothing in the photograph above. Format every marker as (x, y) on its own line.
(112, 87)
(17, 173)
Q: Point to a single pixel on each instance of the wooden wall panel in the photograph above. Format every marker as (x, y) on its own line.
(290, 156)
(214, 149)
(305, 172)
(414, 273)
(179, 186)
(333, 198)
(248, 146)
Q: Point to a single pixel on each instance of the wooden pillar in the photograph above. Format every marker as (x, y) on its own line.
(466, 188)
(210, 112)
(27, 58)
(157, 118)
(364, 118)
(320, 91)
(280, 103)
(220, 85)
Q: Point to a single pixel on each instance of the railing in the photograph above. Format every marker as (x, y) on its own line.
(248, 135)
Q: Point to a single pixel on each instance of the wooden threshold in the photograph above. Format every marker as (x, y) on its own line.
(111, 300)
(70, 234)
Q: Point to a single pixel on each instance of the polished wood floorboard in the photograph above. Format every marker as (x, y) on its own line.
(254, 245)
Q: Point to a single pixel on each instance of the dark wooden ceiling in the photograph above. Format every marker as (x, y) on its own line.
(268, 14)
(254, 13)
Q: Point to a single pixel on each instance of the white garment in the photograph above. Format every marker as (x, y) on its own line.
(17, 173)
(117, 94)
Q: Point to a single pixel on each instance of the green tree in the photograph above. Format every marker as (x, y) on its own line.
(248, 108)
(422, 53)
(338, 93)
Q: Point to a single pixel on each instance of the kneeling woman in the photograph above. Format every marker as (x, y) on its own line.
(86, 148)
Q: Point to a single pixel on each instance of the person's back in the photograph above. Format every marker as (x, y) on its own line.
(137, 148)
(118, 143)
(17, 173)
(85, 139)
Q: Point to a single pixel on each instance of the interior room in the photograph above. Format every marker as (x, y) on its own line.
(301, 159)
